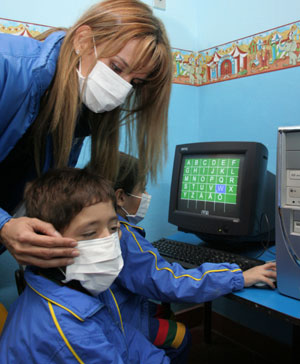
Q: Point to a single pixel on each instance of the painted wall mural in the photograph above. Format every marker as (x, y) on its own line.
(272, 50)
(21, 28)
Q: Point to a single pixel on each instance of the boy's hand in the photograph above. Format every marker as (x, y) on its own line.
(35, 242)
(261, 273)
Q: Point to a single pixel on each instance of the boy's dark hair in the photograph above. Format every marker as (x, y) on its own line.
(129, 174)
(60, 194)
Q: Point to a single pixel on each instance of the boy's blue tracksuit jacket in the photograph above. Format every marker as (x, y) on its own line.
(55, 324)
(147, 275)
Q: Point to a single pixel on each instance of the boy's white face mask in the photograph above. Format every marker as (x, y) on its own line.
(141, 211)
(103, 89)
(98, 265)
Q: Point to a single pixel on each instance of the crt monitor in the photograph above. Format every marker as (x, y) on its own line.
(222, 192)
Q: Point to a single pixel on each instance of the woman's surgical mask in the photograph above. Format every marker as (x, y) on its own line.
(141, 211)
(98, 265)
(103, 89)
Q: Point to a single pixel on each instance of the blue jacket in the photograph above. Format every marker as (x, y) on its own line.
(56, 324)
(27, 67)
(147, 275)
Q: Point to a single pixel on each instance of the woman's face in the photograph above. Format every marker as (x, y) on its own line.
(119, 63)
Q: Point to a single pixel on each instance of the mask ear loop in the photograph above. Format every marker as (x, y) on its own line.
(130, 194)
(126, 212)
(95, 49)
(78, 52)
(62, 272)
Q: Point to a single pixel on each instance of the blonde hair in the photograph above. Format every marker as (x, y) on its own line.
(145, 113)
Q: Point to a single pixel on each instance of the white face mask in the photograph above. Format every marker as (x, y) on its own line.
(103, 89)
(98, 265)
(141, 211)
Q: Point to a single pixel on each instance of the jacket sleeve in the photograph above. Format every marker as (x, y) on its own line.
(146, 273)
(27, 67)
(16, 102)
(4, 217)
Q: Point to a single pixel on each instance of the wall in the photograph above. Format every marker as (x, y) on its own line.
(251, 108)
(180, 22)
(224, 21)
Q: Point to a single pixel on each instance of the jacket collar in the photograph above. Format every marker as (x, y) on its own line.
(77, 303)
(125, 222)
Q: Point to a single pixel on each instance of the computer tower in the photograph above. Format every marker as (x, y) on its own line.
(287, 213)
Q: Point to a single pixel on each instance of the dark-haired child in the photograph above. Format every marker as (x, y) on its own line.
(69, 314)
(147, 275)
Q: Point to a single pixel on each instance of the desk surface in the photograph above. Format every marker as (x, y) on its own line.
(263, 298)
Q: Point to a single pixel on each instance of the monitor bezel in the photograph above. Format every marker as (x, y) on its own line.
(255, 159)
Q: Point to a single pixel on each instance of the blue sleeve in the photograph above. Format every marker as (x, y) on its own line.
(146, 273)
(29, 64)
(16, 103)
(27, 67)
(4, 217)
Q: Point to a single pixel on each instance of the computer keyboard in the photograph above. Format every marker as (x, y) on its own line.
(191, 256)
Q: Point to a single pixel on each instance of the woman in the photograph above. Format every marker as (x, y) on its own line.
(112, 68)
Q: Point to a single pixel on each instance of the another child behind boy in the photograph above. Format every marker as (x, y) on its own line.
(147, 275)
(69, 314)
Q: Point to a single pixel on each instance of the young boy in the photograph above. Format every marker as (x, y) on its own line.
(147, 275)
(69, 314)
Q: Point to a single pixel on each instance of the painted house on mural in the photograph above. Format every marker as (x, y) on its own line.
(227, 65)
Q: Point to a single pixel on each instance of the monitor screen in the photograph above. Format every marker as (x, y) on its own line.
(208, 185)
(217, 190)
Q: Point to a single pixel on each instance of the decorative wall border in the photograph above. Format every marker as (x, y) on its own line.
(18, 27)
(272, 50)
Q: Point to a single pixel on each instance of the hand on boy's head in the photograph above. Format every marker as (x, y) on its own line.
(35, 242)
(261, 273)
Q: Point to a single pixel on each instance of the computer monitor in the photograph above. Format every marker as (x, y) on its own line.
(222, 192)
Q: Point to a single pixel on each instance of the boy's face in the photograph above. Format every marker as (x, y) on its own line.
(93, 222)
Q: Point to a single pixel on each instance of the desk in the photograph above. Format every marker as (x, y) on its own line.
(269, 301)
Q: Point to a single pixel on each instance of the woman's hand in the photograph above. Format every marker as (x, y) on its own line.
(261, 273)
(35, 242)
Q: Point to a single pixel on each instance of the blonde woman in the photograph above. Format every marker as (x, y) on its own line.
(112, 68)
